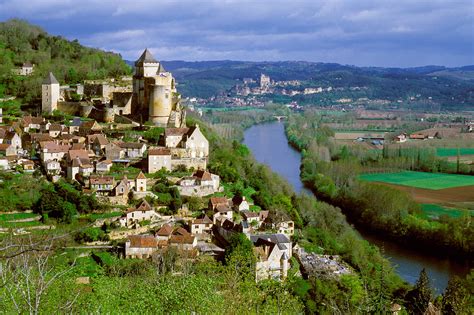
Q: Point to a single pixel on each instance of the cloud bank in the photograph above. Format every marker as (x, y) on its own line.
(369, 33)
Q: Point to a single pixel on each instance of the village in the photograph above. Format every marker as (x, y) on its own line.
(107, 158)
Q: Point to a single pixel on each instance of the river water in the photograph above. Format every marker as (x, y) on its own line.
(269, 145)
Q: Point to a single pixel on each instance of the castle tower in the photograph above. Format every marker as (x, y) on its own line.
(140, 182)
(49, 93)
(154, 96)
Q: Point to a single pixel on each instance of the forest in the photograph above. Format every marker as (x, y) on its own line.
(71, 63)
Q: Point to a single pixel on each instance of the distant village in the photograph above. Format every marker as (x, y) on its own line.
(92, 147)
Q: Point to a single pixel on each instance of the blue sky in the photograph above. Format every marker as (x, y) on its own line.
(400, 33)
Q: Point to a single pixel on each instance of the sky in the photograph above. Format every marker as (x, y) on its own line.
(390, 33)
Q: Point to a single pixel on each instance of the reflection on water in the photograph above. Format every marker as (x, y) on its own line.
(269, 145)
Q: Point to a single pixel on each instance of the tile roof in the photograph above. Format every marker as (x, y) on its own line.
(159, 151)
(182, 239)
(176, 131)
(142, 241)
(101, 180)
(203, 175)
(204, 220)
(165, 230)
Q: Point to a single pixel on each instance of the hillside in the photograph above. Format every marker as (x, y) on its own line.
(449, 88)
(21, 42)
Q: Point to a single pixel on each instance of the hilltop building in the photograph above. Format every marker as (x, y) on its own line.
(265, 81)
(154, 93)
(150, 96)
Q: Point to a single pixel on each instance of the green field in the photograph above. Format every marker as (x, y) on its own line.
(431, 211)
(447, 152)
(424, 180)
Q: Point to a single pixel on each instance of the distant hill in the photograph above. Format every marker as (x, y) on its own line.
(436, 86)
(21, 42)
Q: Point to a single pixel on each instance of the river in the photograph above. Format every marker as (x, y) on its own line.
(269, 145)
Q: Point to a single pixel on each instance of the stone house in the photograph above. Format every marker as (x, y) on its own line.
(7, 149)
(141, 213)
(25, 69)
(28, 123)
(102, 185)
(79, 163)
(159, 158)
(273, 252)
(52, 151)
(12, 138)
(201, 226)
(52, 167)
(140, 246)
(133, 150)
(97, 143)
(221, 207)
(164, 233)
(55, 130)
(240, 203)
(201, 184)
(182, 239)
(280, 222)
(89, 127)
(103, 166)
(28, 165)
(123, 187)
(114, 152)
(75, 125)
(191, 141)
(251, 217)
(222, 212)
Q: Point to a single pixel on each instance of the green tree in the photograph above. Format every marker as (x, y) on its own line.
(421, 295)
(453, 297)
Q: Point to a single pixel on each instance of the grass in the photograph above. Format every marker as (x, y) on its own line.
(17, 216)
(430, 211)
(447, 152)
(434, 181)
(7, 224)
(96, 216)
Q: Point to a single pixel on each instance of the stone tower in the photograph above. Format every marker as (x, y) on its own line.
(140, 182)
(50, 94)
(154, 92)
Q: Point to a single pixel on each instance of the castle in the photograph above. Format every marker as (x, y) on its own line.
(153, 98)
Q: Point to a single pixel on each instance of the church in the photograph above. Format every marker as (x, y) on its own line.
(153, 97)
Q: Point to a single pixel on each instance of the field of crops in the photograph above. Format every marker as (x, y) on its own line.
(431, 211)
(447, 152)
(433, 181)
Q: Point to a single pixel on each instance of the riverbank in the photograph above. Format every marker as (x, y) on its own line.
(269, 145)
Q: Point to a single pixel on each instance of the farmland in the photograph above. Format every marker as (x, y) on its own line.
(435, 211)
(432, 181)
(448, 152)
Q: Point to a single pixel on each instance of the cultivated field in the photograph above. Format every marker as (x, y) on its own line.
(449, 152)
(431, 181)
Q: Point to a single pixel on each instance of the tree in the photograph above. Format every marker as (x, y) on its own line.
(27, 274)
(453, 297)
(421, 295)
(240, 258)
